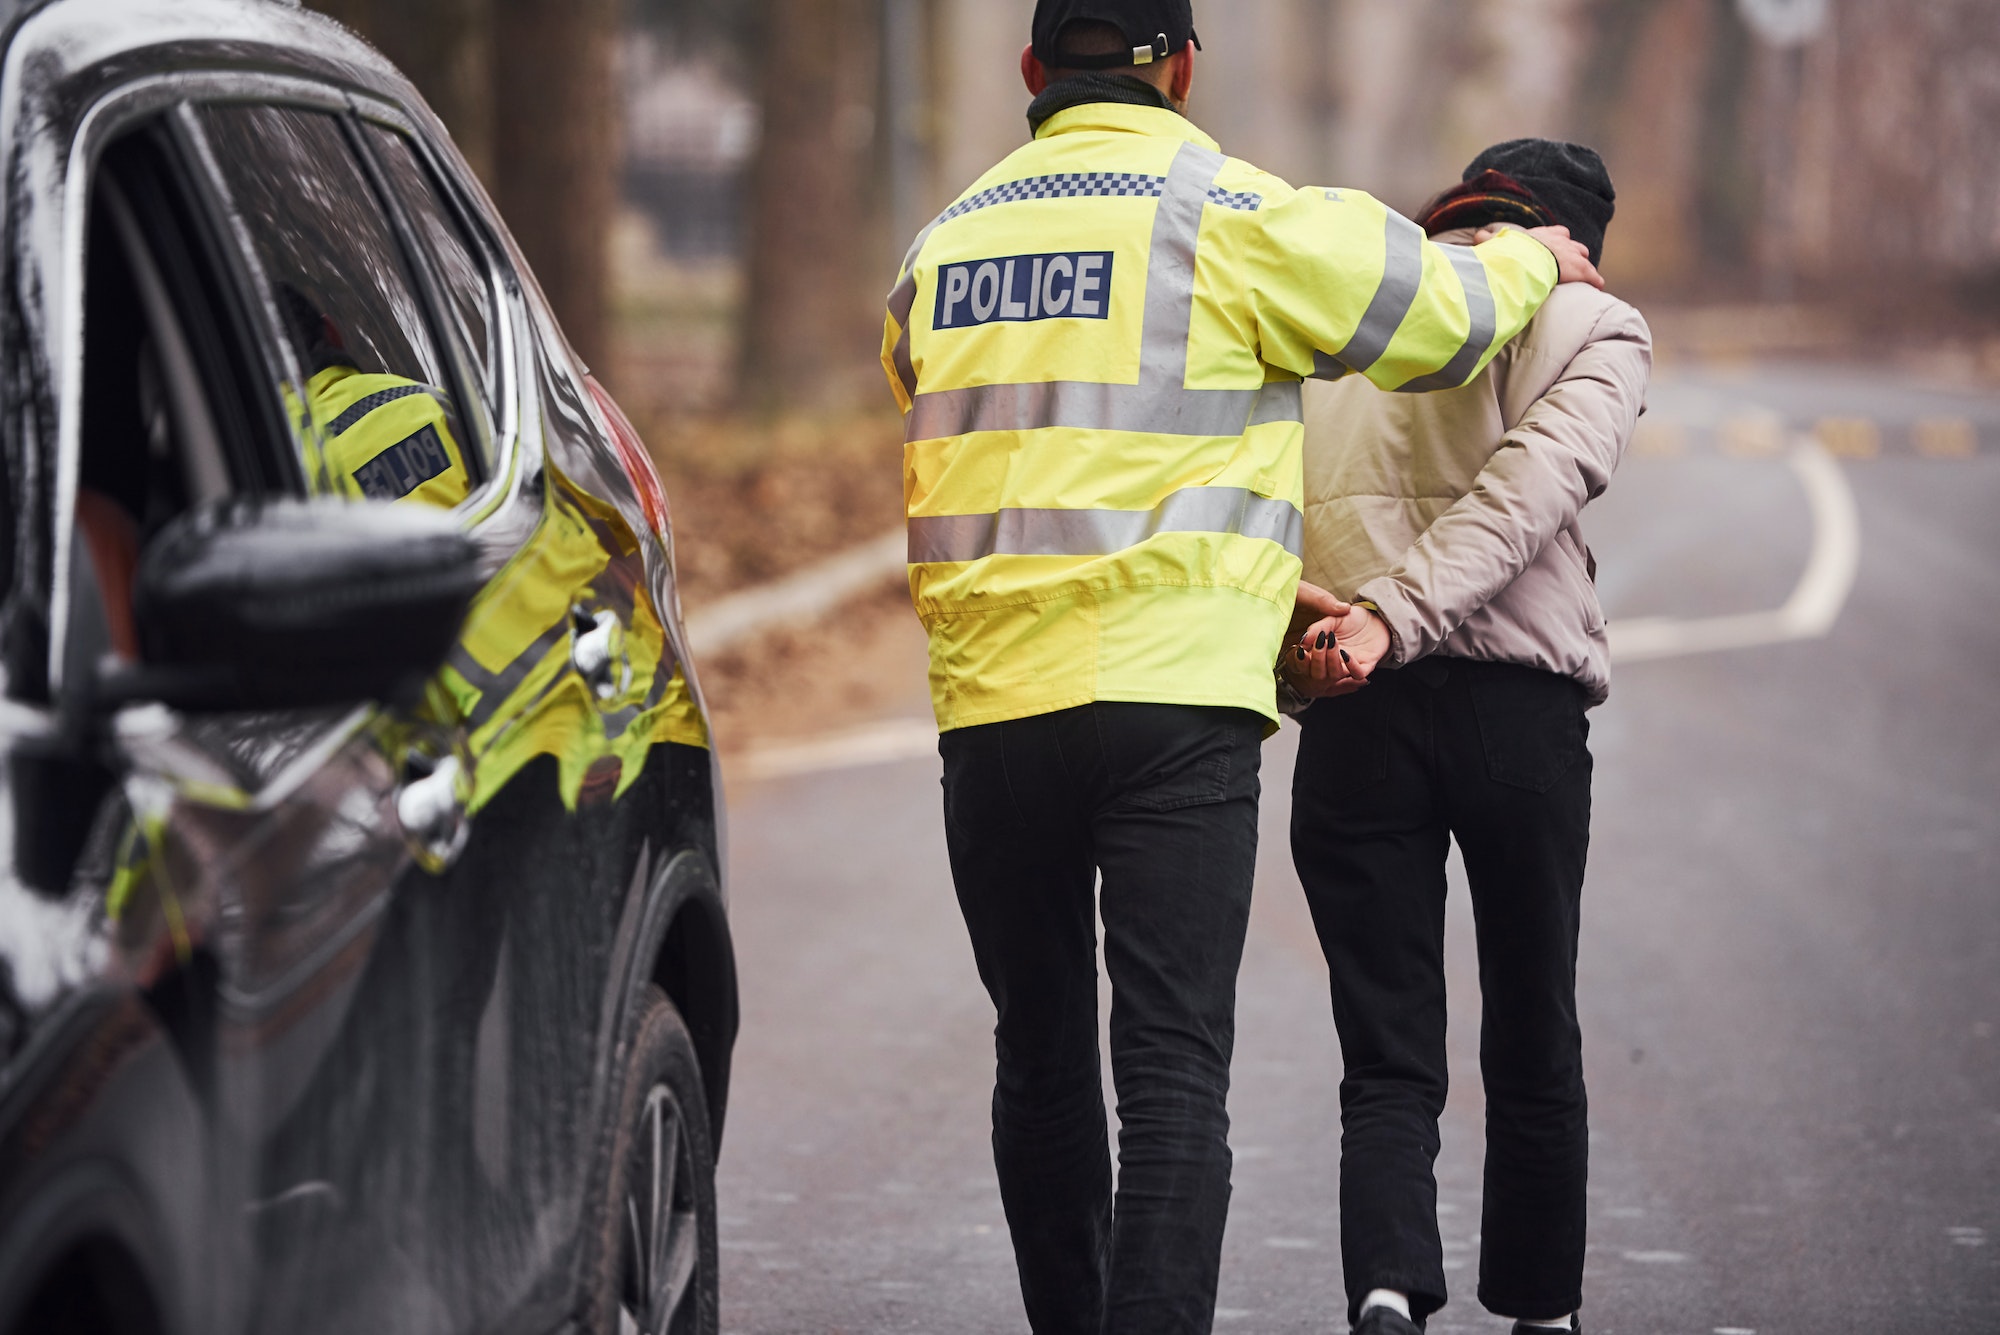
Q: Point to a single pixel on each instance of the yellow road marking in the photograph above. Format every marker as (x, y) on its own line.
(1752, 435)
(1849, 437)
(1945, 438)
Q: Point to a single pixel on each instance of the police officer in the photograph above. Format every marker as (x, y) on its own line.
(1098, 349)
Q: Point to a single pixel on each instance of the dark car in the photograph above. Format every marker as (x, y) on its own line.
(363, 956)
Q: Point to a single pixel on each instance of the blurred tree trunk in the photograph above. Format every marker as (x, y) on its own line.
(446, 47)
(1896, 194)
(556, 146)
(527, 90)
(811, 319)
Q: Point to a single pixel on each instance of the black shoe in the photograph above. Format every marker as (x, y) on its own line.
(1386, 1321)
(1523, 1328)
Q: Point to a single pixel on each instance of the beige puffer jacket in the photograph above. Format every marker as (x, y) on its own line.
(1455, 512)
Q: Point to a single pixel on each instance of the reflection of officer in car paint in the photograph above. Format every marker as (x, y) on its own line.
(387, 437)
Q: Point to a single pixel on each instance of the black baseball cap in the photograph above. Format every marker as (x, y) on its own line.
(1154, 30)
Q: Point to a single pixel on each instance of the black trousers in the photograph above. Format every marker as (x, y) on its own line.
(1494, 756)
(1162, 800)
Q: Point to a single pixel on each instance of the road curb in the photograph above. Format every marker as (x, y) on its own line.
(801, 598)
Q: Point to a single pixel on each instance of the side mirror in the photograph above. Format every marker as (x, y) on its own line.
(295, 605)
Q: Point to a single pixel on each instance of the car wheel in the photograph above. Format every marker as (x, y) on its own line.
(656, 1259)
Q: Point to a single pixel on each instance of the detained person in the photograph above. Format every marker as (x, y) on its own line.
(1098, 350)
(1452, 707)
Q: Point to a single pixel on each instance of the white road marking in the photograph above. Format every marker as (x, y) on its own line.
(1752, 434)
(1850, 437)
(1658, 1258)
(1815, 603)
(1809, 613)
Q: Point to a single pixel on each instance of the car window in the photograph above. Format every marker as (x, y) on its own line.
(377, 411)
(162, 426)
(460, 265)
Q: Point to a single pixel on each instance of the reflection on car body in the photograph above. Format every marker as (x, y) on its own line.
(360, 909)
(385, 437)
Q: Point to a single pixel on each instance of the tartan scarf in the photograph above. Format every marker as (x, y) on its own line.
(1488, 198)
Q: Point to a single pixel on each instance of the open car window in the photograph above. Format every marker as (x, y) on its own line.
(166, 423)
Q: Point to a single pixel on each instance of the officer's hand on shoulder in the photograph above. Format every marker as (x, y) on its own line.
(1572, 257)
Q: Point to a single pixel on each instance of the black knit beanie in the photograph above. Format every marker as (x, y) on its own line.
(1568, 180)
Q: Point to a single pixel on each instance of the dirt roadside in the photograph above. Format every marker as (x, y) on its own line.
(753, 501)
(865, 661)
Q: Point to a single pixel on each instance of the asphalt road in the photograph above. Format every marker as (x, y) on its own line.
(1790, 963)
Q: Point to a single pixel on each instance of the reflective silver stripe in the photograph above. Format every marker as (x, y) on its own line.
(1280, 401)
(1326, 368)
(1479, 303)
(1084, 405)
(1089, 406)
(496, 688)
(1170, 267)
(903, 296)
(906, 370)
(902, 301)
(1402, 275)
(1024, 532)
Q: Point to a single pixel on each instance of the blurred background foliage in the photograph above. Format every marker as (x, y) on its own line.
(716, 193)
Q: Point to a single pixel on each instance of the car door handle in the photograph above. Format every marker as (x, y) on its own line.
(431, 807)
(598, 653)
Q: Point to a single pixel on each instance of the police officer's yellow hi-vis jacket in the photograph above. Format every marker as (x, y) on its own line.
(387, 437)
(1099, 350)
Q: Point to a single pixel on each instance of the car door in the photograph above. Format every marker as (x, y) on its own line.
(589, 748)
(407, 933)
(421, 1165)
(231, 869)
(491, 1007)
(266, 851)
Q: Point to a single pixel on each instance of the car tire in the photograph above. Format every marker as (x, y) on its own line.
(81, 1258)
(654, 1262)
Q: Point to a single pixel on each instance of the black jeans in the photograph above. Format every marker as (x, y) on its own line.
(1162, 799)
(1494, 756)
